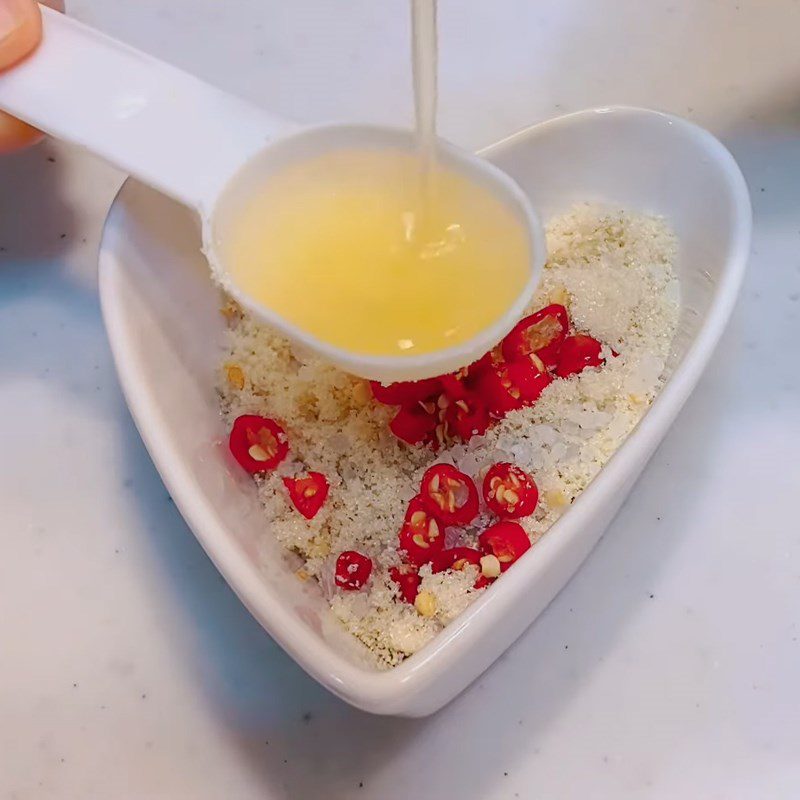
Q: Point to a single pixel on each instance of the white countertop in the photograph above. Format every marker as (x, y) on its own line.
(669, 666)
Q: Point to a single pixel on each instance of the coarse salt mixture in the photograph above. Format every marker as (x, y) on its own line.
(613, 270)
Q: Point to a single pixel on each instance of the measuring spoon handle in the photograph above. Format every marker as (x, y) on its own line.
(166, 127)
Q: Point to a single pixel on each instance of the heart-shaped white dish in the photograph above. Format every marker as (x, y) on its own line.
(162, 316)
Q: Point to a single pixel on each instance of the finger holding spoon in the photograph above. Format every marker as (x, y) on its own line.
(20, 33)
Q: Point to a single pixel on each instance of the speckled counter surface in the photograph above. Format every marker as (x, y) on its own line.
(667, 668)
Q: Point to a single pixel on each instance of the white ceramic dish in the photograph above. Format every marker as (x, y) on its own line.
(162, 317)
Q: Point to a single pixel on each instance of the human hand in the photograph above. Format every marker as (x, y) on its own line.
(20, 32)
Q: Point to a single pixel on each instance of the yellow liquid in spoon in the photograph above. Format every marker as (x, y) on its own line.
(337, 245)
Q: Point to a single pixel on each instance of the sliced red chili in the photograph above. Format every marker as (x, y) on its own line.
(505, 540)
(456, 558)
(454, 384)
(407, 579)
(510, 386)
(577, 353)
(449, 494)
(307, 492)
(509, 491)
(403, 392)
(459, 384)
(415, 423)
(459, 557)
(531, 380)
(541, 333)
(352, 570)
(422, 534)
(259, 444)
(499, 393)
(467, 417)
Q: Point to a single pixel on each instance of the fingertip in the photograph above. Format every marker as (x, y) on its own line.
(16, 134)
(20, 30)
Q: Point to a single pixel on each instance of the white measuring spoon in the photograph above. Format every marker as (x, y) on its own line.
(210, 151)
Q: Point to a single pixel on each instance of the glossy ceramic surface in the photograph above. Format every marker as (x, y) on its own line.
(161, 313)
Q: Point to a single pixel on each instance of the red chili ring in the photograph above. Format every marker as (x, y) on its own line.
(352, 570)
(449, 495)
(507, 541)
(509, 491)
(422, 534)
(541, 333)
(308, 492)
(259, 444)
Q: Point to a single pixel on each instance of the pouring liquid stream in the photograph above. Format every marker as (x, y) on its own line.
(384, 251)
(424, 60)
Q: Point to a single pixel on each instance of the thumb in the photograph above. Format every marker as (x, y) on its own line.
(20, 30)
